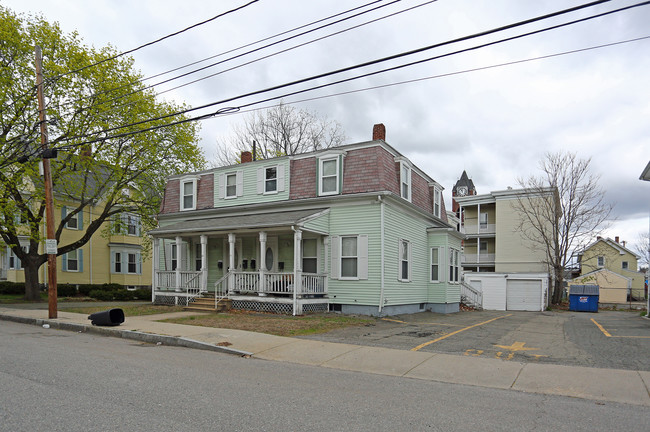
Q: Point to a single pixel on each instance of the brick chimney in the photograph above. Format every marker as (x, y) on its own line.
(616, 239)
(246, 156)
(379, 132)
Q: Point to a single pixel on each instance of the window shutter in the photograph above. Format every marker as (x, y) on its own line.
(137, 226)
(112, 270)
(260, 180)
(280, 178)
(362, 260)
(336, 257)
(182, 264)
(64, 212)
(222, 186)
(318, 179)
(240, 183)
(80, 260)
(65, 262)
(80, 220)
(410, 262)
(138, 263)
(400, 253)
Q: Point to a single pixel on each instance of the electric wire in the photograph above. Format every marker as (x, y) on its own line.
(150, 86)
(392, 57)
(231, 110)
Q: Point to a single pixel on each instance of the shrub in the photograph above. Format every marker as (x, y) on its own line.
(142, 294)
(12, 287)
(123, 294)
(85, 289)
(101, 295)
(66, 290)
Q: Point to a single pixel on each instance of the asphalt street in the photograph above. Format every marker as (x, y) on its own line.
(607, 339)
(65, 381)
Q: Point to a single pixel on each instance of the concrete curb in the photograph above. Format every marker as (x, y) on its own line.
(127, 334)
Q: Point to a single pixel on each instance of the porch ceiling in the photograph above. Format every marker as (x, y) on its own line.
(233, 222)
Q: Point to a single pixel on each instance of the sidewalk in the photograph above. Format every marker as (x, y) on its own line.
(611, 385)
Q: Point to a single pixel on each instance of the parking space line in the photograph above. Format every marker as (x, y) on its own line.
(602, 329)
(419, 347)
(393, 320)
(608, 334)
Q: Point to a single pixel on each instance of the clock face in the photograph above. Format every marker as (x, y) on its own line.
(462, 191)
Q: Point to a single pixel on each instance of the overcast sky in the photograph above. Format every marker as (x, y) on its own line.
(495, 123)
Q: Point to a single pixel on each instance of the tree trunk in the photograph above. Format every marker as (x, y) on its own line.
(558, 286)
(32, 287)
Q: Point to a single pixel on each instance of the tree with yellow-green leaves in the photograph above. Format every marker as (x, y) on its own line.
(90, 94)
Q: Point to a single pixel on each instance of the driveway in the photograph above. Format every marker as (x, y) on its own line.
(607, 339)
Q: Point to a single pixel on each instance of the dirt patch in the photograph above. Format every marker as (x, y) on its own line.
(280, 325)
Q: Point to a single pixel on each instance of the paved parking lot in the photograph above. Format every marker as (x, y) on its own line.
(607, 339)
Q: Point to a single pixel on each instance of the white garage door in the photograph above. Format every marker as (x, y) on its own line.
(523, 295)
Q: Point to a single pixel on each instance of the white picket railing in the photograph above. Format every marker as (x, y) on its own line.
(471, 296)
(313, 284)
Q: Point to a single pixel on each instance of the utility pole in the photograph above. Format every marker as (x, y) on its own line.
(50, 243)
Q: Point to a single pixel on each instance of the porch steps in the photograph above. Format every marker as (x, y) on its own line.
(206, 304)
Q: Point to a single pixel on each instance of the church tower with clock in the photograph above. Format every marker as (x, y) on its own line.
(463, 187)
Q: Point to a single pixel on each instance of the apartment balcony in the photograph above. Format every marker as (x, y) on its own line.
(480, 230)
(483, 258)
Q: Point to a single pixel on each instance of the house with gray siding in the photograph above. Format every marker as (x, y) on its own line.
(357, 228)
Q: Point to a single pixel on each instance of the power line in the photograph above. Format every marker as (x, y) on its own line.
(157, 40)
(263, 57)
(236, 56)
(229, 111)
(384, 59)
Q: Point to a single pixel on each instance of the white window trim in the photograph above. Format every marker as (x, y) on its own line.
(341, 257)
(67, 257)
(598, 258)
(409, 260)
(124, 259)
(437, 199)
(454, 266)
(183, 182)
(439, 249)
(405, 180)
(337, 164)
(266, 180)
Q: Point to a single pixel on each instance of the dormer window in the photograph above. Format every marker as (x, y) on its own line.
(270, 179)
(329, 176)
(405, 181)
(231, 185)
(188, 194)
(437, 202)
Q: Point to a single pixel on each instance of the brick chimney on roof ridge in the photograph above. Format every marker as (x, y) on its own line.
(379, 132)
(246, 156)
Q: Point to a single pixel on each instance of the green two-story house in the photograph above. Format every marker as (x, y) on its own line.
(357, 229)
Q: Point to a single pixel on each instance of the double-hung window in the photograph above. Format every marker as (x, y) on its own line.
(198, 259)
(435, 264)
(188, 194)
(405, 181)
(310, 256)
(73, 261)
(601, 261)
(349, 257)
(454, 266)
(14, 262)
(126, 260)
(133, 263)
(75, 222)
(329, 176)
(117, 262)
(404, 260)
(231, 185)
(483, 220)
(625, 265)
(437, 202)
(270, 179)
(174, 257)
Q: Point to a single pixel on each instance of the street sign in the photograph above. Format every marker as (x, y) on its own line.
(51, 246)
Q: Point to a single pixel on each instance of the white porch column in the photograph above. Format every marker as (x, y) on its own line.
(155, 267)
(179, 244)
(297, 269)
(326, 264)
(262, 285)
(231, 261)
(204, 263)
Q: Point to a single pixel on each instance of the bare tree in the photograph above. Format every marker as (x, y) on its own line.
(279, 131)
(566, 220)
(642, 249)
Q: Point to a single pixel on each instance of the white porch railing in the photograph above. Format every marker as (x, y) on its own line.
(478, 258)
(480, 229)
(313, 283)
(190, 281)
(471, 296)
(246, 282)
(276, 283)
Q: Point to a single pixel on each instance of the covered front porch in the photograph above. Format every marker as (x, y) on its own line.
(274, 262)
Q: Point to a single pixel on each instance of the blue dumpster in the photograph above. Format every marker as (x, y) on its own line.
(583, 298)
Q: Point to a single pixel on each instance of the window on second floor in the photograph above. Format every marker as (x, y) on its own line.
(437, 202)
(329, 176)
(188, 194)
(483, 220)
(625, 265)
(601, 261)
(75, 222)
(405, 181)
(483, 246)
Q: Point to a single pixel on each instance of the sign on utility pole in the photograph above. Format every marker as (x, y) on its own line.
(49, 201)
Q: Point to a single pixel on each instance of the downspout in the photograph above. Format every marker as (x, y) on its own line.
(381, 252)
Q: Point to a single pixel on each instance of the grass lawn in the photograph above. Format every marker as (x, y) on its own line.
(18, 298)
(280, 325)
